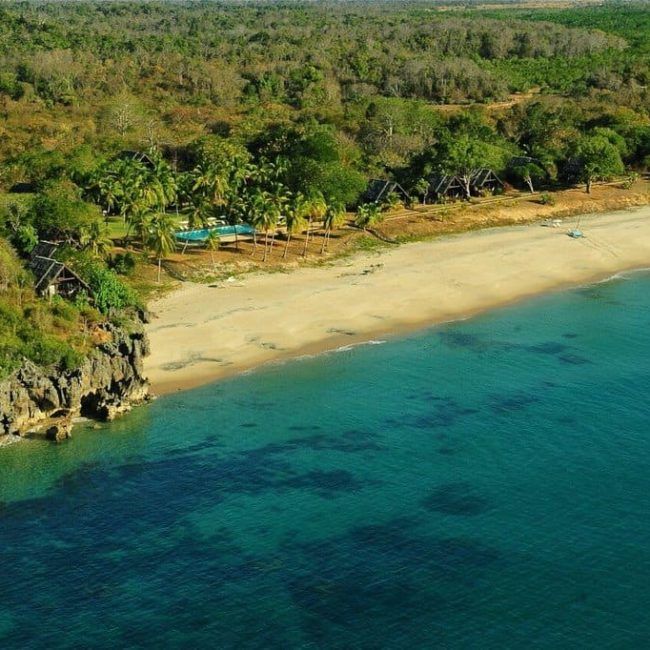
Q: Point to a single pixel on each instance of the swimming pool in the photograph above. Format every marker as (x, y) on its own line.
(202, 234)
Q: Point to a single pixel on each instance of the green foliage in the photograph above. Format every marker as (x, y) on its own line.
(110, 293)
(160, 237)
(49, 334)
(10, 86)
(368, 214)
(596, 158)
(58, 212)
(527, 170)
(123, 263)
(25, 238)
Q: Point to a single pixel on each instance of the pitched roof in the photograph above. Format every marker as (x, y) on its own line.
(483, 175)
(379, 188)
(441, 183)
(138, 156)
(47, 269)
(44, 249)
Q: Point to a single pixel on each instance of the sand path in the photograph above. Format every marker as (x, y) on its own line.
(203, 333)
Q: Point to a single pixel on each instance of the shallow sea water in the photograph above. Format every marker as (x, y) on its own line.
(484, 484)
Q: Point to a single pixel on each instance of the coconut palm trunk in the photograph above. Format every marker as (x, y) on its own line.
(272, 242)
(304, 250)
(266, 245)
(286, 246)
(325, 239)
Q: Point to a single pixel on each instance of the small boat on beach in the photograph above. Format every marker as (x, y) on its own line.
(576, 233)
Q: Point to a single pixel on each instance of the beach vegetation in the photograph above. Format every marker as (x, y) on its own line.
(368, 215)
(160, 237)
(596, 157)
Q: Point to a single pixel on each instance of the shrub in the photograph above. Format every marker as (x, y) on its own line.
(547, 199)
(630, 180)
(110, 292)
(123, 263)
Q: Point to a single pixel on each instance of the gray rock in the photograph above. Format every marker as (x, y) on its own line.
(106, 385)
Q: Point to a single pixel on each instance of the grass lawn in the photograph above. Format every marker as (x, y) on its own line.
(117, 228)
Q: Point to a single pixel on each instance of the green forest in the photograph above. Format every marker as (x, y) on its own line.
(125, 117)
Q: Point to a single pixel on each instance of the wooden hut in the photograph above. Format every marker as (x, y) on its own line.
(485, 180)
(137, 156)
(54, 277)
(379, 190)
(444, 186)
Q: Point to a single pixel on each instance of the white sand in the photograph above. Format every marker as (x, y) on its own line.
(201, 333)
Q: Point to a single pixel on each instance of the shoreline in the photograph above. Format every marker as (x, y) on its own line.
(205, 333)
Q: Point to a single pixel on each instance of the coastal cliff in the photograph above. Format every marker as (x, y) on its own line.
(35, 400)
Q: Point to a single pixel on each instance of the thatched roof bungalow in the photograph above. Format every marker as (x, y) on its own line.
(444, 186)
(379, 190)
(485, 180)
(54, 277)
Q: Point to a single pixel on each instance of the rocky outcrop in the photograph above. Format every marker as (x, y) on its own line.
(108, 383)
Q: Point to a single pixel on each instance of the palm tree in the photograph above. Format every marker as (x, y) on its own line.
(211, 183)
(130, 180)
(161, 237)
(255, 208)
(164, 180)
(236, 211)
(212, 244)
(267, 209)
(368, 214)
(94, 237)
(139, 222)
(279, 200)
(295, 216)
(316, 209)
(333, 218)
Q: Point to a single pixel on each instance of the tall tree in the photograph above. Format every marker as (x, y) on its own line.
(295, 218)
(463, 155)
(161, 237)
(597, 159)
(94, 237)
(529, 171)
(333, 218)
(316, 208)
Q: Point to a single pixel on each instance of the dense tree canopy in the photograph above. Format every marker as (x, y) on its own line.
(325, 94)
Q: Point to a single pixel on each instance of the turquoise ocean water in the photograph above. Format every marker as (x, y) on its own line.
(484, 484)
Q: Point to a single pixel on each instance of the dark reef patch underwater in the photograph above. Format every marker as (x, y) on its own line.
(485, 484)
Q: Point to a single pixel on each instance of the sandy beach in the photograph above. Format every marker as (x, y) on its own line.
(201, 333)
